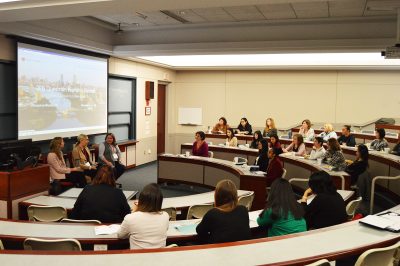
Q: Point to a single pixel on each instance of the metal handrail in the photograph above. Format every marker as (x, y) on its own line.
(371, 206)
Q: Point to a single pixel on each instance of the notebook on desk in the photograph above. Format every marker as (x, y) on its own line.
(389, 221)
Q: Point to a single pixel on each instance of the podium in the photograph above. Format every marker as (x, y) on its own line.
(16, 186)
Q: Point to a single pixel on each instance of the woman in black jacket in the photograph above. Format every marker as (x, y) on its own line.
(359, 165)
(256, 139)
(262, 159)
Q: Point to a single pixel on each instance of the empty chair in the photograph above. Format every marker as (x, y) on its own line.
(323, 262)
(352, 207)
(284, 173)
(246, 200)
(171, 212)
(53, 244)
(198, 211)
(379, 256)
(65, 220)
(46, 213)
(210, 154)
(240, 160)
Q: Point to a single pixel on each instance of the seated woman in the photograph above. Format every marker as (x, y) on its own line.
(244, 127)
(221, 126)
(297, 146)
(306, 131)
(380, 143)
(274, 142)
(328, 207)
(81, 157)
(334, 156)
(396, 149)
(256, 139)
(200, 146)
(262, 159)
(147, 225)
(109, 154)
(58, 169)
(227, 221)
(359, 165)
(318, 150)
(102, 200)
(275, 166)
(283, 214)
(328, 133)
(270, 128)
(231, 141)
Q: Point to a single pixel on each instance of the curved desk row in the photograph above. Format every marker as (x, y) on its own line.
(380, 163)
(332, 243)
(208, 172)
(179, 203)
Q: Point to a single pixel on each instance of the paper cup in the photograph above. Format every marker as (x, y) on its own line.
(187, 154)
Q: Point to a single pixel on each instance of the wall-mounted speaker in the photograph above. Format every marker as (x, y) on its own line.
(149, 90)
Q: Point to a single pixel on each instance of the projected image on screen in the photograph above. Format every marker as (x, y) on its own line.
(60, 93)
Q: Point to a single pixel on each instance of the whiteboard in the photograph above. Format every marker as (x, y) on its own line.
(190, 116)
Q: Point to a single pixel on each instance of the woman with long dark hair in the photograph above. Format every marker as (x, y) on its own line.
(147, 225)
(231, 140)
(59, 170)
(328, 207)
(283, 214)
(262, 159)
(227, 221)
(359, 165)
(102, 200)
(257, 137)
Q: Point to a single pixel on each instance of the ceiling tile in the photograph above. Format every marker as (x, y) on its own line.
(213, 14)
(277, 11)
(159, 18)
(188, 15)
(347, 8)
(245, 13)
(307, 10)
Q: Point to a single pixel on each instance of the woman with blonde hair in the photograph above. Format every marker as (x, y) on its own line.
(227, 221)
(270, 128)
(59, 170)
(328, 133)
(81, 157)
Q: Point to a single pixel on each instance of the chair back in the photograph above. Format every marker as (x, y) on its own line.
(246, 200)
(198, 211)
(364, 185)
(352, 207)
(379, 256)
(53, 244)
(65, 220)
(171, 212)
(46, 213)
(1, 245)
(323, 262)
(284, 173)
(210, 154)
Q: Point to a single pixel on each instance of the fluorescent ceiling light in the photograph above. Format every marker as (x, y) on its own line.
(6, 1)
(275, 60)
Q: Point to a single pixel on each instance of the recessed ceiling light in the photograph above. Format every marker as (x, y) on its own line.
(372, 59)
(6, 1)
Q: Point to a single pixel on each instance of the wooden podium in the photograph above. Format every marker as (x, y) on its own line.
(16, 186)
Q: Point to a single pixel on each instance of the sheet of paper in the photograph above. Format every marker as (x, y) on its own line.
(107, 229)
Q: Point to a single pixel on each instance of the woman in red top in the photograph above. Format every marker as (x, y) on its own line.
(275, 167)
(200, 147)
(274, 142)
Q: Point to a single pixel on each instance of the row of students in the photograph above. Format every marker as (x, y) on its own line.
(244, 127)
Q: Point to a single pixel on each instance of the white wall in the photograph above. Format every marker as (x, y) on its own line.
(287, 96)
(146, 126)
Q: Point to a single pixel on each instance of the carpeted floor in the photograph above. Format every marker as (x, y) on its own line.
(137, 178)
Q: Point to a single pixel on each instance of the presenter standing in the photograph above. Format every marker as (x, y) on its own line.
(110, 154)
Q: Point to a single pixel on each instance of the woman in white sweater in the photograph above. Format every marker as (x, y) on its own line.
(147, 225)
